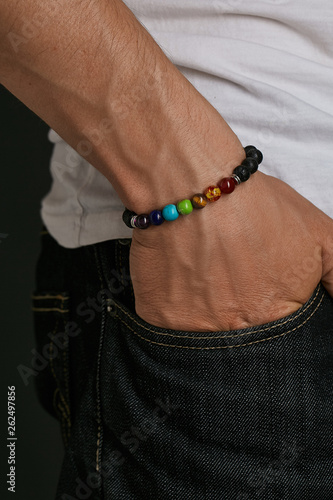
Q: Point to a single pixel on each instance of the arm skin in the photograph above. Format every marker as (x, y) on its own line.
(94, 74)
(92, 66)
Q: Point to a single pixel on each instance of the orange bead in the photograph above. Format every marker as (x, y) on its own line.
(199, 200)
(212, 193)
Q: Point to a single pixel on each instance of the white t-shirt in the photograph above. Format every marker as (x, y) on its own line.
(265, 65)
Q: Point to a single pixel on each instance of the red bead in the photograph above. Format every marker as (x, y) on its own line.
(212, 193)
(227, 185)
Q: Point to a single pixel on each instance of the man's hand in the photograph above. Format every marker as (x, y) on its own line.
(94, 74)
(252, 257)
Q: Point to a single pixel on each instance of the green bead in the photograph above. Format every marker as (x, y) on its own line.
(184, 207)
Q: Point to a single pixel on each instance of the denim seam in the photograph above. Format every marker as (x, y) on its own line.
(197, 337)
(226, 346)
(99, 440)
(56, 380)
(64, 412)
(65, 421)
(49, 309)
(42, 297)
(60, 411)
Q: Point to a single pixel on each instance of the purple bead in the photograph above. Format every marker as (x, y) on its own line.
(142, 221)
(156, 217)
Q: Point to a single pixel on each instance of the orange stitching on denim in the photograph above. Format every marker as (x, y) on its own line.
(283, 322)
(49, 309)
(53, 371)
(65, 374)
(98, 398)
(58, 412)
(66, 369)
(62, 416)
(41, 297)
(51, 352)
(226, 346)
(65, 421)
(65, 410)
(54, 374)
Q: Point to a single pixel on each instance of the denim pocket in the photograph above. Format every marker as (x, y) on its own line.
(51, 361)
(246, 337)
(229, 414)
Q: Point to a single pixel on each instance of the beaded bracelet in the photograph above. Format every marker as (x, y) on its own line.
(226, 186)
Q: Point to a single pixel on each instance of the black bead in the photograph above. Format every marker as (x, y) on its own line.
(127, 215)
(253, 152)
(242, 172)
(249, 148)
(251, 164)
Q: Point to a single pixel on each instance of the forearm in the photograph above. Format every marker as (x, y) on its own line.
(95, 75)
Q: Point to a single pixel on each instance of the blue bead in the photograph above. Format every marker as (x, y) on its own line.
(170, 212)
(156, 217)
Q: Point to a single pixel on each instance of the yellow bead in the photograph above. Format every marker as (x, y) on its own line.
(212, 193)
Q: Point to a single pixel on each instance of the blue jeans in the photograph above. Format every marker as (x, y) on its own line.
(151, 413)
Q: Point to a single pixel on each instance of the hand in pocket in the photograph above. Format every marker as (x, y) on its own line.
(252, 257)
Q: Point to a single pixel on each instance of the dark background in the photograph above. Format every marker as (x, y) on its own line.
(25, 179)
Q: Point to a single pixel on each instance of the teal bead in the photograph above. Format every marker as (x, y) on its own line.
(184, 207)
(170, 212)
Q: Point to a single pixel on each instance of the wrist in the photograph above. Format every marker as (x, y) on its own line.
(211, 194)
(166, 149)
